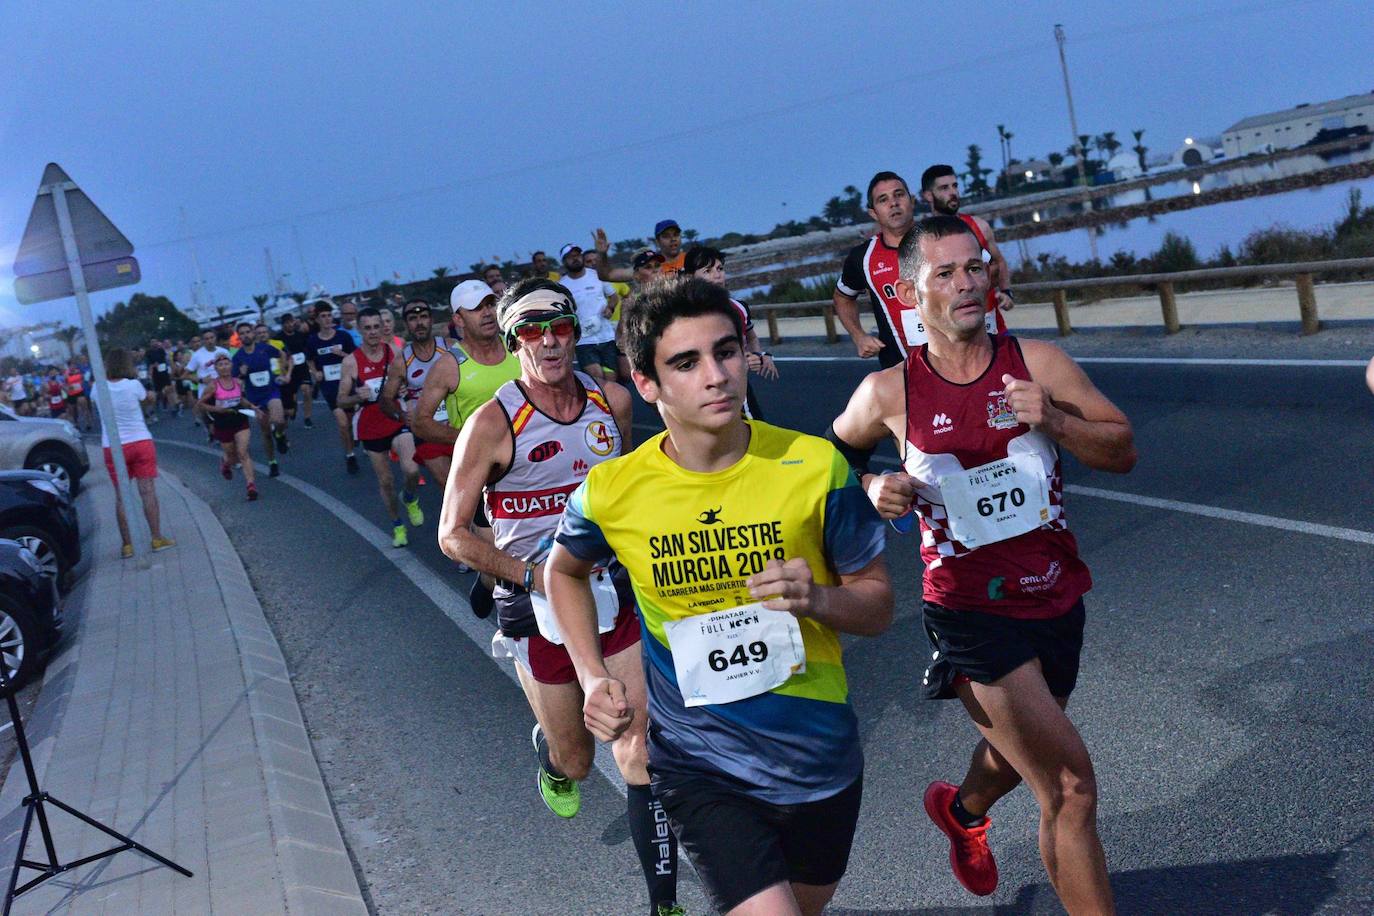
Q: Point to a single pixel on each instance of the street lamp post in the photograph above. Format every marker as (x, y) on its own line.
(1073, 125)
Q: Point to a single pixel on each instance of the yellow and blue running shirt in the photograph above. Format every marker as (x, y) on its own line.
(689, 541)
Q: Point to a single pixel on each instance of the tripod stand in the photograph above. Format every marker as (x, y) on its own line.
(33, 807)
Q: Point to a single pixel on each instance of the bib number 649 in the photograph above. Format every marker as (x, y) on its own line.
(997, 501)
(743, 656)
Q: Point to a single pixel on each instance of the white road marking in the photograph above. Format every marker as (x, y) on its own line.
(445, 597)
(1230, 515)
(1132, 360)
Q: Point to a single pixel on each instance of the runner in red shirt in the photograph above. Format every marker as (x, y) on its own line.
(940, 189)
(872, 265)
(980, 420)
(362, 375)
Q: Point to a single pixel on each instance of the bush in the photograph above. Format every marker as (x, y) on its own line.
(1282, 244)
(1175, 253)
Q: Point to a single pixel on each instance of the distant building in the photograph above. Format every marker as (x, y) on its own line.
(1295, 126)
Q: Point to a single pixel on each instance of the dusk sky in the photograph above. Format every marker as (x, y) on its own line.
(410, 136)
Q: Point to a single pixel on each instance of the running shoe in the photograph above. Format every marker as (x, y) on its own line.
(309, 424)
(969, 855)
(417, 515)
(126, 552)
(282, 445)
(670, 909)
(252, 492)
(162, 544)
(561, 796)
(398, 536)
(351, 462)
(421, 478)
(273, 470)
(226, 470)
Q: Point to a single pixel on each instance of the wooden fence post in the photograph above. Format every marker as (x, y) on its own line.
(773, 336)
(1061, 312)
(828, 312)
(1307, 304)
(1169, 307)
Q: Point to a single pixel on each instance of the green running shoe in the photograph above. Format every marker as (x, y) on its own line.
(417, 515)
(561, 796)
(398, 536)
(670, 909)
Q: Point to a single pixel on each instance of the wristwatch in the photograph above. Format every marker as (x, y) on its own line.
(529, 576)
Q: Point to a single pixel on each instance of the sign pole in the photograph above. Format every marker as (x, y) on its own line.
(102, 384)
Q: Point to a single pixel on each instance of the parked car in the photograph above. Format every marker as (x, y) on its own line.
(40, 513)
(43, 444)
(30, 613)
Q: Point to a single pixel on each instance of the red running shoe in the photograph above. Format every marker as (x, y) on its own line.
(969, 855)
(252, 492)
(226, 470)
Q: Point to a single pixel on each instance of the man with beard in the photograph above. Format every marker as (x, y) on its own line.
(492, 276)
(940, 189)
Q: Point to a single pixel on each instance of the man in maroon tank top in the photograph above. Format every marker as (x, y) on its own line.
(940, 189)
(980, 420)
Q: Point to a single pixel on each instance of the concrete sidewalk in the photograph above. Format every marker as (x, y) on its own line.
(169, 716)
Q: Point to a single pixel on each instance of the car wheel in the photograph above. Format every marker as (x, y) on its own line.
(45, 548)
(20, 641)
(58, 465)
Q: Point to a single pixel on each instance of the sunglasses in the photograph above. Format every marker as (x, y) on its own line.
(533, 331)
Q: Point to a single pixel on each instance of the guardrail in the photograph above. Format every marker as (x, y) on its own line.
(1302, 271)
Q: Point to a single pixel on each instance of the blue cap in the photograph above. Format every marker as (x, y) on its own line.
(664, 225)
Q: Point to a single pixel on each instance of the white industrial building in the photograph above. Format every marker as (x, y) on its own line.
(1295, 126)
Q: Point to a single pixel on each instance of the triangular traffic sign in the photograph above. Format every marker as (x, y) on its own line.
(97, 239)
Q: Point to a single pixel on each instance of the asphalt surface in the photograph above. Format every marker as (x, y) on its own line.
(1224, 693)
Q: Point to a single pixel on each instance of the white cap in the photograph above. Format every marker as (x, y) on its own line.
(469, 294)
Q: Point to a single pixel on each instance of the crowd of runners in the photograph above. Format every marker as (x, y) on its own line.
(683, 600)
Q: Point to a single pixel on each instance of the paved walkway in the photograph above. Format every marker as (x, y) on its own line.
(170, 716)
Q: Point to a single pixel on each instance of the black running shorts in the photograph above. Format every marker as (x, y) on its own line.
(974, 646)
(382, 445)
(741, 845)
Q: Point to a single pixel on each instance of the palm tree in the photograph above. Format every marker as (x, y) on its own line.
(690, 234)
(1108, 143)
(260, 301)
(1139, 148)
(68, 336)
(440, 273)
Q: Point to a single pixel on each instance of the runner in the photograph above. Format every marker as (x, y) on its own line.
(709, 265)
(325, 353)
(596, 301)
(201, 367)
(524, 452)
(492, 276)
(56, 393)
(257, 364)
(348, 321)
(539, 267)
(406, 377)
(754, 749)
(228, 411)
(77, 400)
(389, 329)
(456, 385)
(160, 371)
(872, 265)
(360, 384)
(940, 189)
(297, 389)
(1003, 595)
(127, 395)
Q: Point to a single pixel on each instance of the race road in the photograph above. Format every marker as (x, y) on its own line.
(1224, 693)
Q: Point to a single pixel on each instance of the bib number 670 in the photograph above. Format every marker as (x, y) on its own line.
(997, 502)
(755, 652)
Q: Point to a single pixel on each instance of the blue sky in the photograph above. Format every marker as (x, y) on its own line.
(410, 136)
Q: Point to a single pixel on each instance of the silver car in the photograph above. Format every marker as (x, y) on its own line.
(41, 444)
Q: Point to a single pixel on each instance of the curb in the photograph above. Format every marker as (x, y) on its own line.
(317, 870)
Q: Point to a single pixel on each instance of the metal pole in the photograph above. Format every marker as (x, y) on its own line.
(1073, 125)
(102, 382)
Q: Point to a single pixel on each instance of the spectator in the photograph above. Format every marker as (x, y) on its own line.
(668, 235)
(539, 267)
(140, 456)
